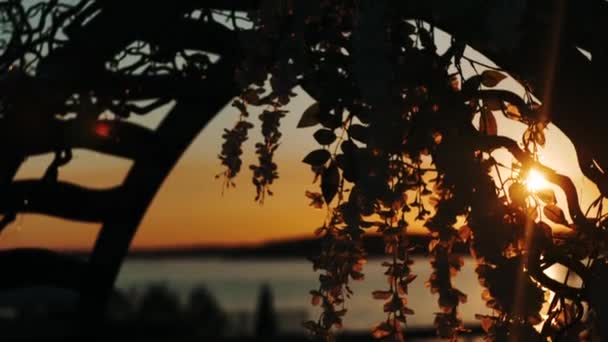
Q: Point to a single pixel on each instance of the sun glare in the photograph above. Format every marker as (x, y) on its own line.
(535, 181)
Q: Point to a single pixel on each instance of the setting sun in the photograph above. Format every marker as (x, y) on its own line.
(535, 181)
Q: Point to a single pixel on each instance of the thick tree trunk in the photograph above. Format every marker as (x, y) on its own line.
(176, 132)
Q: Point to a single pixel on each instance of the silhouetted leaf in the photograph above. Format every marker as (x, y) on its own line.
(555, 214)
(325, 136)
(464, 233)
(316, 199)
(329, 182)
(251, 96)
(358, 132)
(241, 107)
(487, 123)
(317, 157)
(547, 196)
(426, 40)
(487, 322)
(462, 297)
(310, 117)
(330, 121)
(517, 193)
(407, 311)
(382, 294)
(382, 330)
(491, 78)
(471, 86)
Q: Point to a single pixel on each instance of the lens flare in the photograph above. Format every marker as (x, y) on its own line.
(535, 181)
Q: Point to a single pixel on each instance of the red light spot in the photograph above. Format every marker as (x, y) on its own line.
(102, 129)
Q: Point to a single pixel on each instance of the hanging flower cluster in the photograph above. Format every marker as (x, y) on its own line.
(398, 143)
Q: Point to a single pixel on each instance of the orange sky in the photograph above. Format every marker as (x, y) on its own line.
(190, 208)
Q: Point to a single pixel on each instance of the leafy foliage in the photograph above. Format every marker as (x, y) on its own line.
(232, 147)
(376, 131)
(266, 172)
(394, 121)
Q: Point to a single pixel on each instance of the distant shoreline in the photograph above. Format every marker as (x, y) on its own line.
(291, 249)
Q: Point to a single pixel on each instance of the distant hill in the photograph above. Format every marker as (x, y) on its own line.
(294, 248)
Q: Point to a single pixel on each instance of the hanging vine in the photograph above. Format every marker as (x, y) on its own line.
(377, 128)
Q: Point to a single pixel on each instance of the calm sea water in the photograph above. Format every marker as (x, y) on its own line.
(236, 285)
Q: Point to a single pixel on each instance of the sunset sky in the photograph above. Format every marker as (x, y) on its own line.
(190, 208)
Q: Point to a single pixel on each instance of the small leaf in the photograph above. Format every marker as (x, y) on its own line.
(487, 123)
(555, 214)
(410, 278)
(251, 96)
(382, 294)
(518, 193)
(491, 78)
(331, 121)
(241, 107)
(432, 244)
(527, 137)
(310, 117)
(513, 112)
(340, 313)
(464, 233)
(329, 182)
(325, 136)
(407, 311)
(316, 300)
(493, 103)
(547, 196)
(462, 297)
(535, 319)
(319, 231)
(358, 132)
(539, 137)
(485, 295)
(487, 322)
(311, 325)
(393, 305)
(382, 330)
(317, 157)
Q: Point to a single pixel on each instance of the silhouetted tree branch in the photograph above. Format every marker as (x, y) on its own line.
(77, 203)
